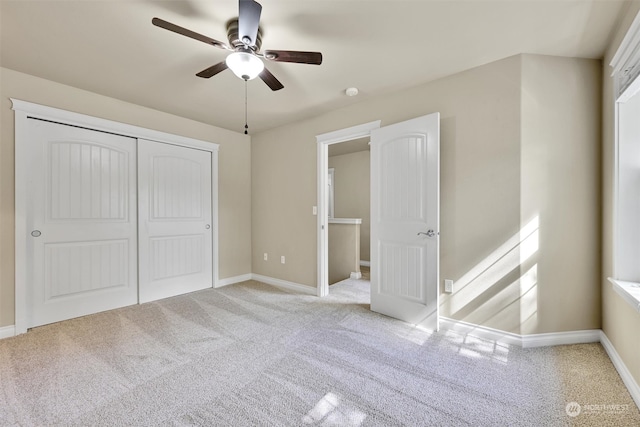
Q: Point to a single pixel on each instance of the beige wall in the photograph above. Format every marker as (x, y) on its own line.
(494, 181)
(479, 113)
(518, 141)
(560, 182)
(234, 168)
(344, 251)
(620, 322)
(352, 192)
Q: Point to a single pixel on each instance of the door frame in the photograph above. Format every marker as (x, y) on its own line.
(323, 141)
(24, 110)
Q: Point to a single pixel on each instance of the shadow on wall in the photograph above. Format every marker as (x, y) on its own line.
(505, 282)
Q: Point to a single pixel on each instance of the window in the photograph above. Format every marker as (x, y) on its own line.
(626, 255)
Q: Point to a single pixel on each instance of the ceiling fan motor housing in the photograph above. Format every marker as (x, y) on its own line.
(234, 37)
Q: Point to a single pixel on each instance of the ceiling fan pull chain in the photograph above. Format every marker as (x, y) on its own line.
(246, 126)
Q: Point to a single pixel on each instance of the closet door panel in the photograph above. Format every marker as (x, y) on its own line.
(83, 222)
(174, 207)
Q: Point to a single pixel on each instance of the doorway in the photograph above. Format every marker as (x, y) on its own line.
(324, 141)
(404, 209)
(349, 209)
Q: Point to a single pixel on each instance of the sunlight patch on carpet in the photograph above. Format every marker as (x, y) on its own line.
(330, 411)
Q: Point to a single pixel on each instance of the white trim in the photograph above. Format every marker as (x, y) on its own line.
(465, 328)
(626, 49)
(21, 204)
(7, 332)
(233, 280)
(561, 338)
(616, 186)
(630, 91)
(25, 110)
(364, 263)
(355, 275)
(322, 285)
(76, 119)
(323, 141)
(524, 341)
(625, 374)
(626, 61)
(629, 291)
(215, 230)
(291, 286)
(348, 134)
(353, 221)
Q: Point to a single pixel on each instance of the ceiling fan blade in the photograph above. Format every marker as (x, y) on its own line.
(213, 70)
(192, 34)
(314, 58)
(270, 80)
(249, 21)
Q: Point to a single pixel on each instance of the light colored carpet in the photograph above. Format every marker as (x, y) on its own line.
(250, 354)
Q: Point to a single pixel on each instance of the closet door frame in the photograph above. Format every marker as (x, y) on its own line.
(24, 110)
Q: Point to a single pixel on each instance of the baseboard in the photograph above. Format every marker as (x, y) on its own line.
(355, 275)
(7, 332)
(465, 328)
(561, 338)
(284, 284)
(627, 378)
(525, 341)
(232, 280)
(365, 263)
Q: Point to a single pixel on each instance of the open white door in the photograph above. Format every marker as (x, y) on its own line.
(174, 208)
(405, 206)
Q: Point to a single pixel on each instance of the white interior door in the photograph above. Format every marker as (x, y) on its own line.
(405, 220)
(82, 221)
(174, 208)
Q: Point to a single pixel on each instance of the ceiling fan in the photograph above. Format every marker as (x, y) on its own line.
(245, 39)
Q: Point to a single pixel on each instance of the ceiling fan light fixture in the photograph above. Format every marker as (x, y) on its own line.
(245, 65)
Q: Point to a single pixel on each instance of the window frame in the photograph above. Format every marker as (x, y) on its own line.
(626, 76)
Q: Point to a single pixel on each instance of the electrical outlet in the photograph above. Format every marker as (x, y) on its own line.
(315, 210)
(266, 257)
(448, 286)
(282, 259)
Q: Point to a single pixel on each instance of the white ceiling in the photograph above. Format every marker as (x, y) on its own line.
(110, 47)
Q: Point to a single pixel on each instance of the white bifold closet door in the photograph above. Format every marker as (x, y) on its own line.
(174, 208)
(82, 219)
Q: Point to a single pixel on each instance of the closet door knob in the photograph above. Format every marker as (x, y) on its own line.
(36, 233)
(207, 226)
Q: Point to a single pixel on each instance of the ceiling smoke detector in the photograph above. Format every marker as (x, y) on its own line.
(351, 91)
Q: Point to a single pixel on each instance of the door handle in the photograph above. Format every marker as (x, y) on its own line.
(36, 233)
(428, 233)
(207, 226)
